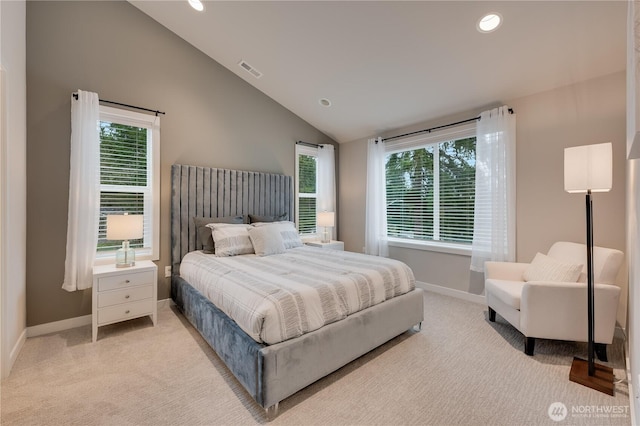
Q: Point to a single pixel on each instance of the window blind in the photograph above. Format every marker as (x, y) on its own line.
(124, 179)
(457, 190)
(307, 187)
(410, 196)
(431, 191)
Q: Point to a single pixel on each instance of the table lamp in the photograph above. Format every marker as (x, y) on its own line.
(327, 220)
(125, 227)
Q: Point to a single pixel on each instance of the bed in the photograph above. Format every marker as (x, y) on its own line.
(269, 372)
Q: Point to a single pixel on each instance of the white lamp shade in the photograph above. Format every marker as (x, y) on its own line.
(326, 219)
(124, 227)
(588, 167)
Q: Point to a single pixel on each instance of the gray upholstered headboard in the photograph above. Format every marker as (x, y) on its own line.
(209, 192)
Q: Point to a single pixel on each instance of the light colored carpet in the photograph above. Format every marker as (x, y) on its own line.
(460, 369)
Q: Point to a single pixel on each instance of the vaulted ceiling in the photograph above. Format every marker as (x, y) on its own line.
(389, 64)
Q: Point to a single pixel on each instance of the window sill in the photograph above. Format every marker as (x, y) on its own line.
(450, 248)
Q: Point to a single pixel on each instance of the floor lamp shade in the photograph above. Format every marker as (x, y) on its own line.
(125, 227)
(589, 169)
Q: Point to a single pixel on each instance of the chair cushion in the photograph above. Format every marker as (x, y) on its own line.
(606, 261)
(545, 268)
(510, 292)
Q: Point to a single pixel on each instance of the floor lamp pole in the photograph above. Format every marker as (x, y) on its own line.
(588, 373)
(590, 290)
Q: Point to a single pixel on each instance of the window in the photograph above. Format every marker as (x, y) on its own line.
(430, 184)
(129, 177)
(306, 187)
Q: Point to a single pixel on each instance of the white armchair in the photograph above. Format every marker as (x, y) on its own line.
(557, 310)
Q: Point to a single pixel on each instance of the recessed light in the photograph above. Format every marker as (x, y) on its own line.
(325, 102)
(489, 22)
(197, 5)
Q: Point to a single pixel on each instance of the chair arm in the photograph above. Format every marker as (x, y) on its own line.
(509, 271)
(555, 310)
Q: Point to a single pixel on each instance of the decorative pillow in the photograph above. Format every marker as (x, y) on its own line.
(255, 218)
(266, 240)
(204, 233)
(545, 268)
(231, 239)
(287, 230)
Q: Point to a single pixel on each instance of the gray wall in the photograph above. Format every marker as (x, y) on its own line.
(214, 118)
(580, 114)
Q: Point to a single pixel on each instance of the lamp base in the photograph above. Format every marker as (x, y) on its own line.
(325, 236)
(602, 380)
(125, 256)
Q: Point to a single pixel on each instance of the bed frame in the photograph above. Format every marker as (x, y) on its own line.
(269, 373)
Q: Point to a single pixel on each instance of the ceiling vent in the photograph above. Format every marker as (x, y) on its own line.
(251, 70)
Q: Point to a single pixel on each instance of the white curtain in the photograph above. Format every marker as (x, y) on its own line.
(375, 239)
(84, 188)
(326, 196)
(495, 201)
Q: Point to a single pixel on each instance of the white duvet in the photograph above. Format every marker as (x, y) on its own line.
(279, 297)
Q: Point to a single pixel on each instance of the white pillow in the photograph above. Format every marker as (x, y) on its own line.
(266, 240)
(545, 268)
(288, 231)
(231, 239)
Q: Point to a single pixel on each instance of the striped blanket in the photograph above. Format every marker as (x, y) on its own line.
(279, 297)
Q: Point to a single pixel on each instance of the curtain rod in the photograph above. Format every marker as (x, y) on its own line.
(457, 123)
(314, 145)
(155, 111)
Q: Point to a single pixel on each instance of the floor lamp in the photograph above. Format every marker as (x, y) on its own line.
(588, 169)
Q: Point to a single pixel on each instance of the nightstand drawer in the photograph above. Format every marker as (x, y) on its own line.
(125, 295)
(125, 311)
(125, 280)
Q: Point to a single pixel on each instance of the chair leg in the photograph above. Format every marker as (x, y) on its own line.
(601, 351)
(492, 315)
(529, 345)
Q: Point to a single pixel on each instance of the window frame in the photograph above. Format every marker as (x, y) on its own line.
(424, 141)
(311, 152)
(151, 249)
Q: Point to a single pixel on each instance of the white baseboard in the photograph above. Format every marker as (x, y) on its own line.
(458, 294)
(56, 326)
(13, 355)
(165, 302)
(632, 399)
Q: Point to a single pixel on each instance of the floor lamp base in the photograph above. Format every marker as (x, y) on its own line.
(601, 381)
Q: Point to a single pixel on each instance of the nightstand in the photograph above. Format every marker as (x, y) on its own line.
(332, 245)
(121, 294)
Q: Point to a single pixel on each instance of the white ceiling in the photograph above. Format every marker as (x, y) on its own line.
(389, 64)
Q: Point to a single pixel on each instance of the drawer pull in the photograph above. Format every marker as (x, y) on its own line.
(127, 281)
(127, 296)
(127, 311)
